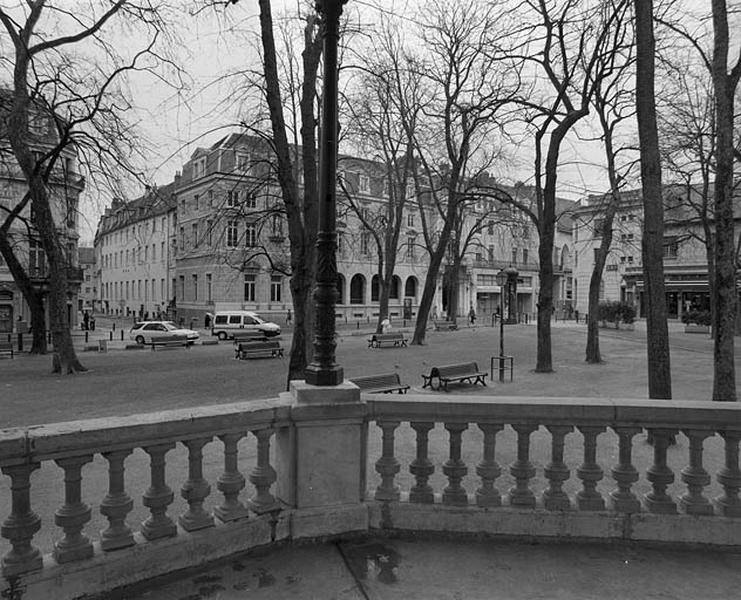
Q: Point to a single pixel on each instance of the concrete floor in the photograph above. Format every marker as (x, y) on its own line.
(385, 569)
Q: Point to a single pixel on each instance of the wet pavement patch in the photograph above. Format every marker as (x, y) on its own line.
(372, 560)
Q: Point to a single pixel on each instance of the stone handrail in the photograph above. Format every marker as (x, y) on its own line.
(309, 478)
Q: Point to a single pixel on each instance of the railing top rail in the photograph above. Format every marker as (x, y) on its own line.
(718, 416)
(42, 442)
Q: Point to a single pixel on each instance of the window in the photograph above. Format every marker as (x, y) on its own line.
(210, 198)
(208, 287)
(410, 248)
(490, 228)
(250, 235)
(364, 184)
(209, 230)
(250, 200)
(232, 199)
(490, 253)
(671, 247)
(195, 202)
(243, 162)
(182, 287)
(514, 255)
(199, 168)
(249, 287)
(194, 234)
(410, 220)
(598, 225)
(146, 253)
(154, 252)
(386, 187)
(277, 226)
(182, 238)
(364, 242)
(194, 279)
(231, 234)
(162, 251)
(276, 288)
(524, 255)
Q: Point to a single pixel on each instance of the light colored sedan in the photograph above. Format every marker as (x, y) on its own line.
(145, 331)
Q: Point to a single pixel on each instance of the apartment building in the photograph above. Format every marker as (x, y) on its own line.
(64, 186)
(132, 246)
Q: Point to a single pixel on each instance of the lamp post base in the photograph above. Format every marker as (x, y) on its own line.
(320, 375)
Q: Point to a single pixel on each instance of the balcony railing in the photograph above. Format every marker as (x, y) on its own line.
(492, 465)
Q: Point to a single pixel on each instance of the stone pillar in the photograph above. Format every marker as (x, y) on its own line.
(321, 458)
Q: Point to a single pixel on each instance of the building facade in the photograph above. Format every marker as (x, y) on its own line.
(685, 256)
(134, 257)
(64, 187)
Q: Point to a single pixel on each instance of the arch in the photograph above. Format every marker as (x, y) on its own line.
(340, 288)
(375, 288)
(565, 257)
(357, 289)
(395, 287)
(410, 288)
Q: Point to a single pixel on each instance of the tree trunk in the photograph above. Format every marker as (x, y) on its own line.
(724, 317)
(657, 332)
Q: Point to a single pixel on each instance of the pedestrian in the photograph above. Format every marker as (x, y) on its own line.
(92, 323)
(472, 316)
(86, 321)
(386, 325)
(288, 317)
(207, 320)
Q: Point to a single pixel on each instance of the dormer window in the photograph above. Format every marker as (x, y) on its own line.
(199, 168)
(364, 184)
(243, 162)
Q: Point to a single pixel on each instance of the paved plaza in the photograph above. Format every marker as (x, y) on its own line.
(124, 382)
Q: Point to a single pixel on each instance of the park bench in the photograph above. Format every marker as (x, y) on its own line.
(169, 341)
(380, 384)
(445, 326)
(6, 348)
(463, 373)
(248, 335)
(396, 338)
(268, 348)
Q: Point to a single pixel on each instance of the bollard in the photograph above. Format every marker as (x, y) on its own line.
(357, 325)
(122, 335)
(20, 341)
(114, 326)
(111, 335)
(86, 336)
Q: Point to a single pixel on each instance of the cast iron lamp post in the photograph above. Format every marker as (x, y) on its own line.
(505, 279)
(324, 370)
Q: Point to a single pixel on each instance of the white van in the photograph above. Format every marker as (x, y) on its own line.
(226, 322)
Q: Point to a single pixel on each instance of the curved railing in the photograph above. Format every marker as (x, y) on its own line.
(501, 466)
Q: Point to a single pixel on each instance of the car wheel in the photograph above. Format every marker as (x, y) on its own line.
(140, 340)
(222, 335)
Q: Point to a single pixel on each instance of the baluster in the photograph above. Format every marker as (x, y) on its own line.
(729, 477)
(488, 469)
(231, 481)
(387, 466)
(522, 469)
(116, 505)
(196, 489)
(625, 474)
(22, 524)
(158, 496)
(73, 514)
(556, 471)
(588, 498)
(421, 467)
(660, 476)
(695, 476)
(263, 475)
(454, 468)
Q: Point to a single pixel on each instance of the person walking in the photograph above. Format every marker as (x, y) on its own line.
(472, 316)
(86, 321)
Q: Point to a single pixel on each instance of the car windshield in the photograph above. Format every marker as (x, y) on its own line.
(258, 319)
(169, 325)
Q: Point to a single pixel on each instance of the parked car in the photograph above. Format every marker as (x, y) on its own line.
(144, 331)
(227, 322)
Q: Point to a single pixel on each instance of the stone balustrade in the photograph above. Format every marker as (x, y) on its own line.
(491, 465)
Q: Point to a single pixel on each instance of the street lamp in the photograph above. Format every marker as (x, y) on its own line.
(506, 279)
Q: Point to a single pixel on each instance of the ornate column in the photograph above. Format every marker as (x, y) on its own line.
(324, 370)
(695, 476)
(387, 466)
(729, 477)
(73, 514)
(660, 475)
(158, 496)
(196, 489)
(231, 481)
(116, 504)
(625, 474)
(488, 469)
(454, 468)
(22, 524)
(588, 498)
(421, 467)
(556, 471)
(522, 469)
(263, 475)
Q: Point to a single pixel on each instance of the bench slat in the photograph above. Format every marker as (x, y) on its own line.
(384, 383)
(270, 348)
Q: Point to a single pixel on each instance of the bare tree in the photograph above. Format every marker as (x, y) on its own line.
(52, 79)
